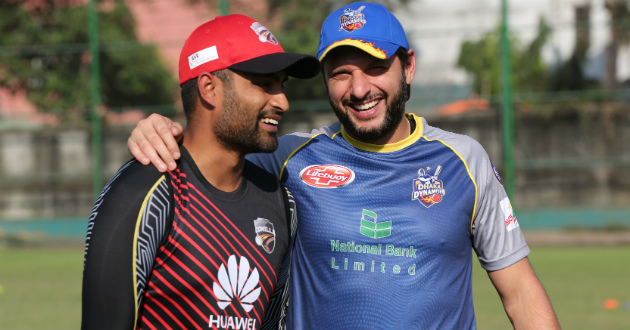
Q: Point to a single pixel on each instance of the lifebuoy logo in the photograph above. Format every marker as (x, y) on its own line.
(327, 176)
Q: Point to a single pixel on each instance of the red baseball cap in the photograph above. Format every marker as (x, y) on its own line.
(240, 43)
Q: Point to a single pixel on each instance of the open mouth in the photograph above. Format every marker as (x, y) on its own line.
(270, 124)
(269, 121)
(365, 108)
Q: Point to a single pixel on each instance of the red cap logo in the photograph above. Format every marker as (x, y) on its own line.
(327, 176)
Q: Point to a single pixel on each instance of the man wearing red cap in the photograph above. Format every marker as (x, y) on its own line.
(207, 245)
(391, 208)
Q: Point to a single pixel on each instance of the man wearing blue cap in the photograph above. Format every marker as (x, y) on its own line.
(390, 207)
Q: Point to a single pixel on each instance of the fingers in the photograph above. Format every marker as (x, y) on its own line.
(136, 152)
(177, 133)
(152, 141)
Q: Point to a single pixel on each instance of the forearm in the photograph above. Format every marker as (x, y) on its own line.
(531, 309)
(524, 298)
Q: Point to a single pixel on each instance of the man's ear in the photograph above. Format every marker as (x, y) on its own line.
(208, 85)
(410, 66)
(323, 74)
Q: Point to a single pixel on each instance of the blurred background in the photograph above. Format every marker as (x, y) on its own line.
(543, 85)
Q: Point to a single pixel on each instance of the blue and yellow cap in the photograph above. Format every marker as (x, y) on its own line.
(367, 26)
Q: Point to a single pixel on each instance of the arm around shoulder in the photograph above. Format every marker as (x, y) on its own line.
(524, 298)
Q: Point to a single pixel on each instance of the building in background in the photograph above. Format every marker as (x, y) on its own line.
(437, 29)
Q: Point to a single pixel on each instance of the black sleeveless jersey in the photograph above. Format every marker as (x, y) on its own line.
(170, 251)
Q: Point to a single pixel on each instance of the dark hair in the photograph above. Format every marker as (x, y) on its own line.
(190, 92)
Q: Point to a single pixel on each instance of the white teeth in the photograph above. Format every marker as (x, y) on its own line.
(366, 106)
(269, 121)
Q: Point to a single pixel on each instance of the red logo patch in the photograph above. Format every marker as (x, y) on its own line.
(327, 176)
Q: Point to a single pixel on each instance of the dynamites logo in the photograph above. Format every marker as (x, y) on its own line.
(427, 189)
(352, 19)
(265, 234)
(371, 228)
(327, 176)
(508, 212)
(264, 35)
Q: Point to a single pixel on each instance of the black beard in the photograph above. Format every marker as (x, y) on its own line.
(394, 115)
(235, 130)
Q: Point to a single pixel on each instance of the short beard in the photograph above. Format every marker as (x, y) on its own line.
(236, 131)
(394, 115)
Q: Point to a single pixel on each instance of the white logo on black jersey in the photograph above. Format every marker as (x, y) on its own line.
(236, 281)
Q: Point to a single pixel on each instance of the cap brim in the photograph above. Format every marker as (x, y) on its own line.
(295, 65)
(378, 49)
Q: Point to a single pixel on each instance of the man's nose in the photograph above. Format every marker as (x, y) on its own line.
(279, 101)
(360, 85)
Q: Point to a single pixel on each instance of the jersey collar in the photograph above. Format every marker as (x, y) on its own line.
(411, 139)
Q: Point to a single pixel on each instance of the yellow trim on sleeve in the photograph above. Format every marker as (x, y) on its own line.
(471, 179)
(135, 244)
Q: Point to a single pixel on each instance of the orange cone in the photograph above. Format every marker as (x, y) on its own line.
(611, 304)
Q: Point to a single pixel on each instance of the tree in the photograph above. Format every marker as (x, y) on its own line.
(569, 76)
(43, 51)
(619, 11)
(480, 59)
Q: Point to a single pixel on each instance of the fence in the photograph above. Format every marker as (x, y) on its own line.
(571, 154)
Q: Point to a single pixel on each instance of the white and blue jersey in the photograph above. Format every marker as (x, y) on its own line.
(386, 231)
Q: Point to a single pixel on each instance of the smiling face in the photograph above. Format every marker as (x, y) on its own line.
(368, 94)
(253, 104)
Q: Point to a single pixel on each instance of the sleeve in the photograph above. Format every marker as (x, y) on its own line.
(497, 237)
(278, 304)
(127, 225)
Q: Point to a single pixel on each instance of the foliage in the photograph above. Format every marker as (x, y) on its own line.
(43, 51)
(481, 59)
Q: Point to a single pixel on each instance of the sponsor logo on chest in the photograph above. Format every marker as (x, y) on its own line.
(327, 176)
(236, 285)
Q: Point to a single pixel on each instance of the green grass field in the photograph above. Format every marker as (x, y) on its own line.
(41, 289)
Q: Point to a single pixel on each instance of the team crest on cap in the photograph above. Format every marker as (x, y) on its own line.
(352, 19)
(264, 35)
(265, 234)
(427, 189)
